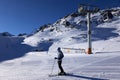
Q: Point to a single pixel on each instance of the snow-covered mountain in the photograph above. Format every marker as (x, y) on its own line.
(72, 30)
(20, 61)
(67, 32)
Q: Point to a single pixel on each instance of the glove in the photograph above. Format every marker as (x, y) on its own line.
(55, 57)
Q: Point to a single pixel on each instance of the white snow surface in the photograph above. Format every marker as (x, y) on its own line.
(19, 61)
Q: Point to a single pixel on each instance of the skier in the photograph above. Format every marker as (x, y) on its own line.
(59, 58)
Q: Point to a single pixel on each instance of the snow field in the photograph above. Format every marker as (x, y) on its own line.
(37, 66)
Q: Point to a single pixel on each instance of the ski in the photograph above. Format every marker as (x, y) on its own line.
(53, 75)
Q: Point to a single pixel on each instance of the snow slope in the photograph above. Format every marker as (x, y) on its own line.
(12, 47)
(72, 30)
(37, 66)
(103, 64)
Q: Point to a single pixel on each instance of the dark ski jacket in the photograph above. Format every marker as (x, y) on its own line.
(60, 55)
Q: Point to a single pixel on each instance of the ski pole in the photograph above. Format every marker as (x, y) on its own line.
(53, 66)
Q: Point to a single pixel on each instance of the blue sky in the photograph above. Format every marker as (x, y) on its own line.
(24, 16)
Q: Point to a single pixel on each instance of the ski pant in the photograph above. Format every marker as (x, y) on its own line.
(60, 66)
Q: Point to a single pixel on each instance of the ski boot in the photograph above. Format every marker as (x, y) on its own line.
(62, 73)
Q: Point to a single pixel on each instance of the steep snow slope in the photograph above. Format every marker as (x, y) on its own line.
(72, 29)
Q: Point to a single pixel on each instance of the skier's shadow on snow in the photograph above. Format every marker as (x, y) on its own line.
(85, 77)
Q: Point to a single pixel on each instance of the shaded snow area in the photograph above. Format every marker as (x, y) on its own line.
(32, 57)
(12, 47)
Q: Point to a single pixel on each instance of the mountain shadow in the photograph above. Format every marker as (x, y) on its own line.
(12, 48)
